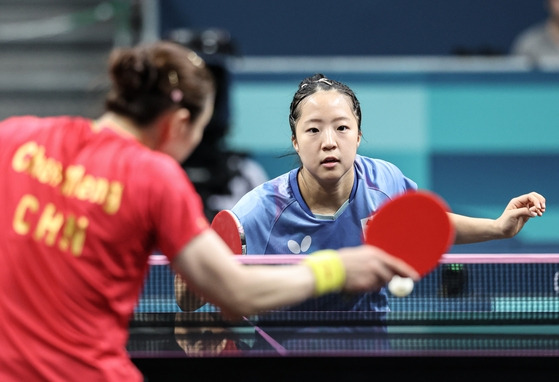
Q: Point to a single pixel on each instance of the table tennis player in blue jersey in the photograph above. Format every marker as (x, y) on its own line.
(326, 202)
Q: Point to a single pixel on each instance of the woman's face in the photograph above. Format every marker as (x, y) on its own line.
(327, 135)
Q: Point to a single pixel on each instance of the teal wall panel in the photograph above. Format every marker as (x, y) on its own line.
(494, 117)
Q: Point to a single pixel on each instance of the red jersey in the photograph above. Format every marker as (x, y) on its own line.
(83, 207)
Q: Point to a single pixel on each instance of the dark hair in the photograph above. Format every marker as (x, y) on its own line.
(150, 79)
(311, 85)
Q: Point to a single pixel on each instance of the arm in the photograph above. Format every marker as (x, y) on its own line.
(518, 211)
(210, 270)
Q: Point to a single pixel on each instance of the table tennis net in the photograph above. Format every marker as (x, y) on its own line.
(465, 288)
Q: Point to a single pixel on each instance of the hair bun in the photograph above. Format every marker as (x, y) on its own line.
(132, 72)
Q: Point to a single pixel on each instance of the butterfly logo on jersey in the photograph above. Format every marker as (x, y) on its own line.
(297, 248)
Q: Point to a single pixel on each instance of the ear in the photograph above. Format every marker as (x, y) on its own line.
(294, 143)
(179, 121)
(359, 138)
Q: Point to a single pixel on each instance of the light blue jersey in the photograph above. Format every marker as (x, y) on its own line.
(276, 220)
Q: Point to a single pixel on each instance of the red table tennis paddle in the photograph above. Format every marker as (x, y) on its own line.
(229, 228)
(413, 226)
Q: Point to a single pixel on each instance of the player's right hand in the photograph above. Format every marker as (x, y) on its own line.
(369, 268)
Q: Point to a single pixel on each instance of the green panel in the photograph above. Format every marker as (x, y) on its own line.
(394, 116)
(494, 117)
(260, 112)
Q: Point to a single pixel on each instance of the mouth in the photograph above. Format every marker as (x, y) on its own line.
(329, 161)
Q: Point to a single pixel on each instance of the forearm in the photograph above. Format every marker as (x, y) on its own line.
(245, 294)
(474, 230)
(250, 289)
(208, 265)
(271, 288)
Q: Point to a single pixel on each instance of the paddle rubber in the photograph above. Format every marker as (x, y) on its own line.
(229, 228)
(413, 226)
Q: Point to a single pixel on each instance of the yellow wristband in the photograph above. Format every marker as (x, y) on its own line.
(328, 269)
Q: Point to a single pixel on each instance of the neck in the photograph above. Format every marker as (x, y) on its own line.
(125, 127)
(324, 198)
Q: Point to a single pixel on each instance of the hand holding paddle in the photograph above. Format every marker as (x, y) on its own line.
(414, 227)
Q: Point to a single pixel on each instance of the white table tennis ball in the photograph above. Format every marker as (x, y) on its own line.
(400, 286)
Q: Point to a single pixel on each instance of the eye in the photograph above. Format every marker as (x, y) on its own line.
(343, 128)
(312, 130)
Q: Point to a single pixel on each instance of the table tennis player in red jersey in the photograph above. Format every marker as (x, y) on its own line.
(84, 204)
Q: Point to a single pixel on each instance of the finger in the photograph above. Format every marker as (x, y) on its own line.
(537, 199)
(534, 211)
(521, 213)
(383, 274)
(399, 267)
(532, 199)
(403, 269)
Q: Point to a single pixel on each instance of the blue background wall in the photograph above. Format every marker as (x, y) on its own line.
(358, 27)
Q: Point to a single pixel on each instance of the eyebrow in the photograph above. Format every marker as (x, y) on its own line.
(315, 120)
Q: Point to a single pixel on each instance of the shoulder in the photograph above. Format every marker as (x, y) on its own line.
(272, 193)
(529, 38)
(382, 175)
(26, 122)
(375, 165)
(534, 31)
(277, 187)
(50, 131)
(160, 167)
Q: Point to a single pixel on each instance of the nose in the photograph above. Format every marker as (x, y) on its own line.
(328, 139)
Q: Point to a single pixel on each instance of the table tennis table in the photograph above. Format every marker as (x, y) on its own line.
(473, 317)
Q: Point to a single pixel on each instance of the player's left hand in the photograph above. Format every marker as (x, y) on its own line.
(186, 299)
(518, 211)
